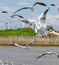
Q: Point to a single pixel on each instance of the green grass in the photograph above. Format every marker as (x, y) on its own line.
(17, 32)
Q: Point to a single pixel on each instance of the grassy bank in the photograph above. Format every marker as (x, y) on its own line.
(25, 35)
(17, 32)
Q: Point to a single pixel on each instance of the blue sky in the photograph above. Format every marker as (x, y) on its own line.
(13, 5)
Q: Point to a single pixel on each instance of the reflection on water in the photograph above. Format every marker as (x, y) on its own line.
(21, 56)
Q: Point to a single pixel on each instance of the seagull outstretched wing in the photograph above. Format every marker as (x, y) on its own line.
(39, 3)
(48, 53)
(31, 8)
(19, 45)
(13, 15)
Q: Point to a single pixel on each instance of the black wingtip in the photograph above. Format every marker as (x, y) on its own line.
(4, 12)
(52, 4)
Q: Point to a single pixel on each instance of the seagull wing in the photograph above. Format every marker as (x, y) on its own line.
(30, 42)
(16, 15)
(46, 11)
(41, 55)
(19, 45)
(52, 4)
(40, 3)
(23, 9)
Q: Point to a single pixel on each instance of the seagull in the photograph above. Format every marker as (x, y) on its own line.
(24, 47)
(48, 53)
(40, 26)
(55, 6)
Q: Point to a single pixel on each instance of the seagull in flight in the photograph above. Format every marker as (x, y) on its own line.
(41, 26)
(48, 53)
(24, 47)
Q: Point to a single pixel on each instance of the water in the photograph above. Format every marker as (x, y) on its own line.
(21, 56)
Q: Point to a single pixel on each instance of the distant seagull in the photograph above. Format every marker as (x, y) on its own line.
(55, 6)
(31, 8)
(48, 53)
(24, 47)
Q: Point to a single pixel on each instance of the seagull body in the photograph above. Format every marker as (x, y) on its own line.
(48, 53)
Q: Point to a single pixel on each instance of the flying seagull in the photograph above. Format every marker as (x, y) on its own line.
(41, 26)
(24, 47)
(48, 53)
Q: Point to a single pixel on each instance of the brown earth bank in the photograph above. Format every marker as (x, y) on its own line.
(9, 41)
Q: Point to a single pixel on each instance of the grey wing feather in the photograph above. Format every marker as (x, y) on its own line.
(46, 10)
(22, 9)
(41, 56)
(30, 43)
(40, 3)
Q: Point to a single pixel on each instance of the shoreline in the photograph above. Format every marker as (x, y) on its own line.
(9, 41)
